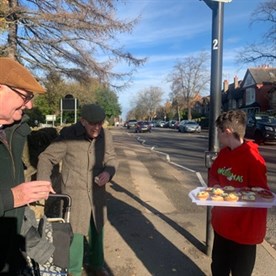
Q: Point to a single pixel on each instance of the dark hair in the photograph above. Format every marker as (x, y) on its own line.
(234, 120)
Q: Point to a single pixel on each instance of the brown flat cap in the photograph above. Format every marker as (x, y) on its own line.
(12, 73)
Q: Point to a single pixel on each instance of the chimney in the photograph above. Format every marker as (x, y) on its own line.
(236, 82)
(225, 86)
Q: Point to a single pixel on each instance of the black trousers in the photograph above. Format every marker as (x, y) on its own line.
(229, 256)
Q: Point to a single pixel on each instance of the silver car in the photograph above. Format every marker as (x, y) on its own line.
(189, 126)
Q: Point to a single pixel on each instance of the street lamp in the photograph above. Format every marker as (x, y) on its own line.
(224, 1)
(210, 3)
(217, 7)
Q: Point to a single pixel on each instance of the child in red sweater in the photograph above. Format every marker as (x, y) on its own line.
(237, 230)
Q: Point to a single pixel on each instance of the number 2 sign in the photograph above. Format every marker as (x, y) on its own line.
(215, 44)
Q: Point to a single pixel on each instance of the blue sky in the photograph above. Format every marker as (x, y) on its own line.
(170, 30)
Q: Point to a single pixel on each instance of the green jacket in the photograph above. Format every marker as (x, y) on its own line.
(11, 168)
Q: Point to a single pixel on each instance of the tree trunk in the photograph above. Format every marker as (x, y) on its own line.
(189, 109)
(12, 19)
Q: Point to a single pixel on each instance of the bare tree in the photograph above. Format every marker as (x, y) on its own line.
(73, 38)
(188, 78)
(147, 103)
(151, 98)
(264, 50)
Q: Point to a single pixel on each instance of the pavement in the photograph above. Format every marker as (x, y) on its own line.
(153, 228)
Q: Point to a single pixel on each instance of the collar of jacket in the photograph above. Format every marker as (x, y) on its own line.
(24, 119)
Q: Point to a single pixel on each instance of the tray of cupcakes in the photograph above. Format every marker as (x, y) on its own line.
(230, 196)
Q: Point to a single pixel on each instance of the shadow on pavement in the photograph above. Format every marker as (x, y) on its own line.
(154, 250)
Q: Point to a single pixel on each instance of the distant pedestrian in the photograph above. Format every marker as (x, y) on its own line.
(88, 159)
(237, 230)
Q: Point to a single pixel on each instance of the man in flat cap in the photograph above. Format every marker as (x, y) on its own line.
(88, 163)
(17, 88)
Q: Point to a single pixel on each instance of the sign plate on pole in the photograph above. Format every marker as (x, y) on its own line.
(51, 118)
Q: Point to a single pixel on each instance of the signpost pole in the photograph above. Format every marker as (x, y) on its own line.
(217, 7)
(75, 109)
(61, 111)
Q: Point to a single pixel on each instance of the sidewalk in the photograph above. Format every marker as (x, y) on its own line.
(151, 228)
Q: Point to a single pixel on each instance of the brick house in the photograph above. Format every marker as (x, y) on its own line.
(255, 93)
(232, 95)
(258, 88)
(202, 106)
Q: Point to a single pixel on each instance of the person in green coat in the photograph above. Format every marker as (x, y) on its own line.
(88, 159)
(17, 88)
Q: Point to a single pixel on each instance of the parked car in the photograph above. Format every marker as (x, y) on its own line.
(143, 126)
(172, 123)
(166, 124)
(176, 125)
(131, 123)
(161, 123)
(153, 123)
(180, 125)
(261, 128)
(189, 126)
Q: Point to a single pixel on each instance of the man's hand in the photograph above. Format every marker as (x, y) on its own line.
(102, 178)
(29, 192)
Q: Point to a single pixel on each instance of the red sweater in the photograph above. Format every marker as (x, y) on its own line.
(241, 167)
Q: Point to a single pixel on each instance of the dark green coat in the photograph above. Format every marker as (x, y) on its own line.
(11, 169)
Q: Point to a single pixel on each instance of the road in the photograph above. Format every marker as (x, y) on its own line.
(153, 228)
(188, 150)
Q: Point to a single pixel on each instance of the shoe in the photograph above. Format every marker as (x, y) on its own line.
(101, 272)
(90, 271)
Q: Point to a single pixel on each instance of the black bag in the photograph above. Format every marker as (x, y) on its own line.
(58, 231)
(62, 238)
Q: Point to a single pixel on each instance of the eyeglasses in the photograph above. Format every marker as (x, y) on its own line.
(25, 97)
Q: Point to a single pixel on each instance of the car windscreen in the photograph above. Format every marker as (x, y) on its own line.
(266, 119)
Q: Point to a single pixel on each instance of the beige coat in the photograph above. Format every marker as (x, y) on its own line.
(82, 159)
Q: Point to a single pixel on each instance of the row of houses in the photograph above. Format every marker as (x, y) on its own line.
(255, 93)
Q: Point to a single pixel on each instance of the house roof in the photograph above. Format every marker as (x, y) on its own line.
(255, 104)
(203, 101)
(263, 74)
(233, 92)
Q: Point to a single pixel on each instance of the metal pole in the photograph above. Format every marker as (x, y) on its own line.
(61, 111)
(75, 107)
(215, 93)
(216, 73)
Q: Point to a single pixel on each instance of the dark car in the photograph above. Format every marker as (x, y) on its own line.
(166, 124)
(172, 123)
(143, 126)
(261, 128)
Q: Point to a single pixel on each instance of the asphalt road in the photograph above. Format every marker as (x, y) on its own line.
(188, 151)
(153, 228)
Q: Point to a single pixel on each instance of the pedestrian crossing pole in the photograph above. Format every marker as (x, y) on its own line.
(217, 7)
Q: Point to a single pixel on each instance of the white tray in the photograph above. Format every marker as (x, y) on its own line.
(259, 203)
